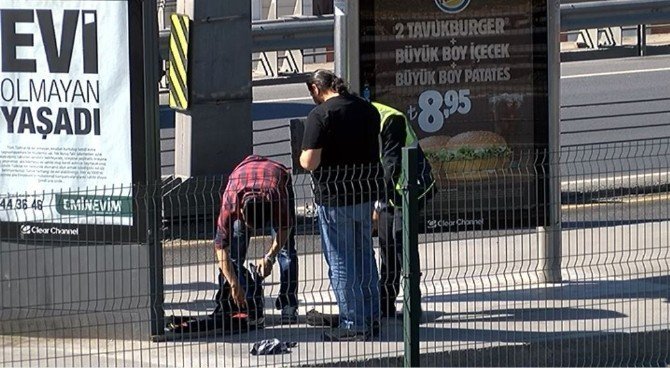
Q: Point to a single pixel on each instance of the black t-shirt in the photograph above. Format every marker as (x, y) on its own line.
(346, 129)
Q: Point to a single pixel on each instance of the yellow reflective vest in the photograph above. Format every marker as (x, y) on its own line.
(426, 180)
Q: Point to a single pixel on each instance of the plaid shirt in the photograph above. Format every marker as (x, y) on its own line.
(255, 175)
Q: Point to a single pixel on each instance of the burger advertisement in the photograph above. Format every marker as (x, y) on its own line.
(471, 77)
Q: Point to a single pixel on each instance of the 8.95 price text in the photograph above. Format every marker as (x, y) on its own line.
(434, 108)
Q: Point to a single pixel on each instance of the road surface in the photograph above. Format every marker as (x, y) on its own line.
(601, 101)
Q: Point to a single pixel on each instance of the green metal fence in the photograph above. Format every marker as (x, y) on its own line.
(478, 283)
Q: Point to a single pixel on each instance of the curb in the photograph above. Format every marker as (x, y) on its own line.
(585, 191)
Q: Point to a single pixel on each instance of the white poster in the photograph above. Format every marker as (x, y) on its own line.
(65, 142)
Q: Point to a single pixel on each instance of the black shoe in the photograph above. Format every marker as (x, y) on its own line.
(343, 334)
(389, 312)
(375, 328)
(318, 319)
(401, 314)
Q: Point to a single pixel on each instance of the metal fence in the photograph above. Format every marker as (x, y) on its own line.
(483, 241)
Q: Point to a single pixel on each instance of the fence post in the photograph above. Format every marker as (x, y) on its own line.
(341, 14)
(552, 250)
(410, 258)
(642, 40)
(152, 175)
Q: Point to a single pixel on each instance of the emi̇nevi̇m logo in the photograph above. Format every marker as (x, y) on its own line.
(452, 6)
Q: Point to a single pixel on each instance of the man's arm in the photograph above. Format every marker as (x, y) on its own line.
(226, 266)
(265, 264)
(393, 140)
(222, 245)
(310, 159)
(284, 217)
(312, 141)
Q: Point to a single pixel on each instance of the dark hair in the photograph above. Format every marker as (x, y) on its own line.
(257, 212)
(327, 80)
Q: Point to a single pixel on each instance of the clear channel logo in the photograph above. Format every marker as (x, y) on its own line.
(452, 6)
(435, 224)
(25, 229)
(28, 229)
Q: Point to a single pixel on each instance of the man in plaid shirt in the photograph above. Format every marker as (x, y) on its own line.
(259, 197)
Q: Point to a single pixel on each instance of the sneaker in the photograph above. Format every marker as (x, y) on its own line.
(343, 334)
(289, 315)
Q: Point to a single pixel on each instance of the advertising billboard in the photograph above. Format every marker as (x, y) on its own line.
(66, 115)
(471, 76)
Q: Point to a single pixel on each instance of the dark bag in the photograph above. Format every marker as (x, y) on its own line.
(253, 285)
(227, 318)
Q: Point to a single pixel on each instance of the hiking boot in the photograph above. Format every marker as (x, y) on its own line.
(289, 315)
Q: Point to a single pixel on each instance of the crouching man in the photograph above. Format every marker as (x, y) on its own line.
(258, 199)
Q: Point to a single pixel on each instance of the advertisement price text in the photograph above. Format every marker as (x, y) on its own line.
(434, 108)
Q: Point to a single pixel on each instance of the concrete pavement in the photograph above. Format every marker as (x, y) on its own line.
(477, 293)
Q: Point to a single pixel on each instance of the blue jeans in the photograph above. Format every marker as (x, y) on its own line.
(346, 238)
(287, 258)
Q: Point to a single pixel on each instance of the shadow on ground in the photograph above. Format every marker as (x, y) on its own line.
(647, 349)
(647, 288)
(523, 349)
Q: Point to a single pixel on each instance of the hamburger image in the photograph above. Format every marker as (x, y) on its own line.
(467, 156)
(434, 143)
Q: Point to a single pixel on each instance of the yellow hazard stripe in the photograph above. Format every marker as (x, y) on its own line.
(176, 86)
(177, 73)
(173, 100)
(178, 26)
(179, 44)
(177, 60)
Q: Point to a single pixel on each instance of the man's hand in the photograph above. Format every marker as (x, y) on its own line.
(239, 295)
(228, 271)
(264, 267)
(375, 223)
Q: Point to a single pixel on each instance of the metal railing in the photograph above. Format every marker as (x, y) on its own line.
(599, 14)
(311, 32)
(293, 33)
(478, 241)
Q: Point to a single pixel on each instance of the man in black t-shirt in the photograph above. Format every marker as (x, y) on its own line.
(341, 148)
